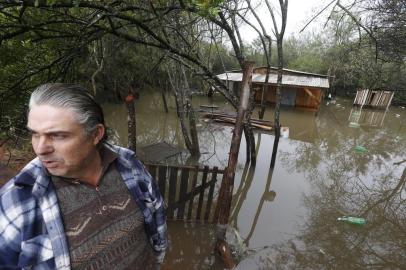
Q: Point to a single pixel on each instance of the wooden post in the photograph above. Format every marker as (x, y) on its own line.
(132, 134)
(226, 189)
(390, 100)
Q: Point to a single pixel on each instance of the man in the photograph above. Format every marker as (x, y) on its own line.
(82, 203)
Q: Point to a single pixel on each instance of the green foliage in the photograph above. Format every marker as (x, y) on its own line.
(307, 54)
(207, 8)
(76, 3)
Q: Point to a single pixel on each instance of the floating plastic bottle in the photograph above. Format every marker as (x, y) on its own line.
(360, 149)
(353, 220)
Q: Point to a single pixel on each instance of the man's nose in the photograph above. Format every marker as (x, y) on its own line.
(43, 146)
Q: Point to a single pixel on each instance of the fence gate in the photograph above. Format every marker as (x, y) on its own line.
(190, 193)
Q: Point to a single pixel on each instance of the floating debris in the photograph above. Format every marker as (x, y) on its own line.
(353, 220)
(354, 125)
(270, 196)
(397, 115)
(285, 132)
(356, 113)
(209, 106)
(229, 118)
(360, 149)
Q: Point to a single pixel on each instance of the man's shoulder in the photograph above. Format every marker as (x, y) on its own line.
(24, 178)
(121, 151)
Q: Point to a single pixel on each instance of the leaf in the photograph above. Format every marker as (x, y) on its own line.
(51, 2)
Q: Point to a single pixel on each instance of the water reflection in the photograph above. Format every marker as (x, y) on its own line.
(366, 117)
(344, 182)
(267, 196)
(289, 215)
(191, 247)
(325, 243)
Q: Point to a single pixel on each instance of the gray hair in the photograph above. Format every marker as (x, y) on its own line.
(74, 97)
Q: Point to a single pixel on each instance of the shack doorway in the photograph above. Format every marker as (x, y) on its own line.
(288, 96)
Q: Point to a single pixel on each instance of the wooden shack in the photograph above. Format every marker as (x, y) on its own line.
(379, 99)
(300, 89)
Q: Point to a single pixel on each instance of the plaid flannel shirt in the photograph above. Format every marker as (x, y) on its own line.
(31, 229)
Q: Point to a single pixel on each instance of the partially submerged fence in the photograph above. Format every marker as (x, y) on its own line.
(190, 193)
(374, 98)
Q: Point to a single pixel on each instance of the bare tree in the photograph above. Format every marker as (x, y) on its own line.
(180, 87)
(279, 33)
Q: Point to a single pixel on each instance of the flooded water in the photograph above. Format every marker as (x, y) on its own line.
(342, 162)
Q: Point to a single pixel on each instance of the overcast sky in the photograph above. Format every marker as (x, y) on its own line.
(299, 13)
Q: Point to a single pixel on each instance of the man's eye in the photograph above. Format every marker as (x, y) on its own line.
(58, 136)
(35, 135)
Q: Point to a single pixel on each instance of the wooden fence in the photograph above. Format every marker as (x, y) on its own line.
(189, 192)
(374, 98)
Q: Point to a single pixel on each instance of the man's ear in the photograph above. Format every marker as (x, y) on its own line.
(99, 133)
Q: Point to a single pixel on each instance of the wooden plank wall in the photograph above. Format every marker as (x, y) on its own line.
(270, 95)
(303, 99)
(189, 192)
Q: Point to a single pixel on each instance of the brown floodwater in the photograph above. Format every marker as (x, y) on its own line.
(342, 162)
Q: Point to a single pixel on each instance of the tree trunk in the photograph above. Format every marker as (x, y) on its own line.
(131, 123)
(181, 116)
(278, 103)
(265, 86)
(180, 86)
(195, 149)
(163, 96)
(249, 134)
(226, 189)
(279, 43)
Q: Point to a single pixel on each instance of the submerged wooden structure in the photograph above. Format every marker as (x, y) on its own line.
(299, 89)
(379, 99)
(360, 117)
(231, 118)
(189, 191)
(195, 193)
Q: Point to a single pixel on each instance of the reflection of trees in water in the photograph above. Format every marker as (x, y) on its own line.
(214, 143)
(157, 128)
(267, 195)
(346, 183)
(325, 243)
(241, 192)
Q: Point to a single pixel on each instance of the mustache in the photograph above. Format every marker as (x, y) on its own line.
(47, 159)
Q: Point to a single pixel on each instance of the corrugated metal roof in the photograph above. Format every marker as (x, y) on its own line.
(294, 80)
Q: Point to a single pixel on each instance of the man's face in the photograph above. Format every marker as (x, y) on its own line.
(60, 141)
